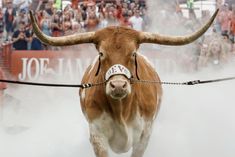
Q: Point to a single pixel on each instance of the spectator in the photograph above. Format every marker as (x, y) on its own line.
(36, 44)
(102, 21)
(21, 38)
(49, 8)
(45, 23)
(112, 21)
(224, 19)
(21, 18)
(92, 21)
(136, 21)
(124, 21)
(215, 55)
(1, 24)
(226, 44)
(9, 16)
(67, 24)
(23, 4)
(56, 25)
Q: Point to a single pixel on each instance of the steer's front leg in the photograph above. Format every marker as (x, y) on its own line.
(98, 141)
(140, 147)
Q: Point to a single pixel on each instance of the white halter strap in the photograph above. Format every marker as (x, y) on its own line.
(117, 69)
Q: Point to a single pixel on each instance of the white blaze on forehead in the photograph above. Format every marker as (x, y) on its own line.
(116, 70)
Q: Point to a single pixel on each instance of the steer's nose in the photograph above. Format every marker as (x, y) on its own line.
(118, 85)
(118, 89)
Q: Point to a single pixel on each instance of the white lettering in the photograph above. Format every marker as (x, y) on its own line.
(71, 69)
(36, 69)
(22, 75)
(43, 65)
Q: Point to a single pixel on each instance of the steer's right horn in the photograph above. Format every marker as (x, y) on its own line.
(146, 37)
(61, 41)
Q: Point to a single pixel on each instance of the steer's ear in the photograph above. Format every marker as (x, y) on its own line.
(98, 66)
(136, 66)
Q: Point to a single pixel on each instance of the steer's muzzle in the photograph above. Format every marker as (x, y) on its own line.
(118, 87)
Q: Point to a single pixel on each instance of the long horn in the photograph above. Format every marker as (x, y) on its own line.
(146, 37)
(61, 41)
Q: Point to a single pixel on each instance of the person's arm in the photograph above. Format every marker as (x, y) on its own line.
(41, 23)
(15, 37)
(39, 5)
(30, 4)
(27, 36)
(14, 19)
(19, 4)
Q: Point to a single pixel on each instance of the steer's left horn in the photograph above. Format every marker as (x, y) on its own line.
(61, 41)
(146, 37)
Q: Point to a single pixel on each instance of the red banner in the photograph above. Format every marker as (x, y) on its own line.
(31, 65)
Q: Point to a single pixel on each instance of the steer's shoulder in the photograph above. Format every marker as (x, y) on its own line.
(148, 94)
(93, 100)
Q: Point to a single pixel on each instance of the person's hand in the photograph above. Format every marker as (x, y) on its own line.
(22, 35)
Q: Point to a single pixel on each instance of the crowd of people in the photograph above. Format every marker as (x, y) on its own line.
(218, 48)
(73, 18)
(89, 15)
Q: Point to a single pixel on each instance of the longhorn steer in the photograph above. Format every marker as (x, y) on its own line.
(120, 114)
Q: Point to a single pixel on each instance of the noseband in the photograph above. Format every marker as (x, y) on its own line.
(117, 69)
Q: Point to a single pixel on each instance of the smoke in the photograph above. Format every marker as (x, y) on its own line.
(193, 120)
(196, 120)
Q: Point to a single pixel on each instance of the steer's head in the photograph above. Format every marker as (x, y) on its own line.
(117, 47)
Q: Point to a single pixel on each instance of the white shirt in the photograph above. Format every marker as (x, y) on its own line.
(136, 22)
(24, 5)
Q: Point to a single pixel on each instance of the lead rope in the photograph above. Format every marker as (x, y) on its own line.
(89, 85)
(85, 85)
(195, 82)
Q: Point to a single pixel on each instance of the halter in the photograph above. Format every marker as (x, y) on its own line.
(117, 69)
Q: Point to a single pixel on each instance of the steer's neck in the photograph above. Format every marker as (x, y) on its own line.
(123, 110)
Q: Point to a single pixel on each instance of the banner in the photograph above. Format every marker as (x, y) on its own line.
(32, 65)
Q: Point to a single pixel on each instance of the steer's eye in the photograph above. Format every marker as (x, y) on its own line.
(101, 55)
(134, 54)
